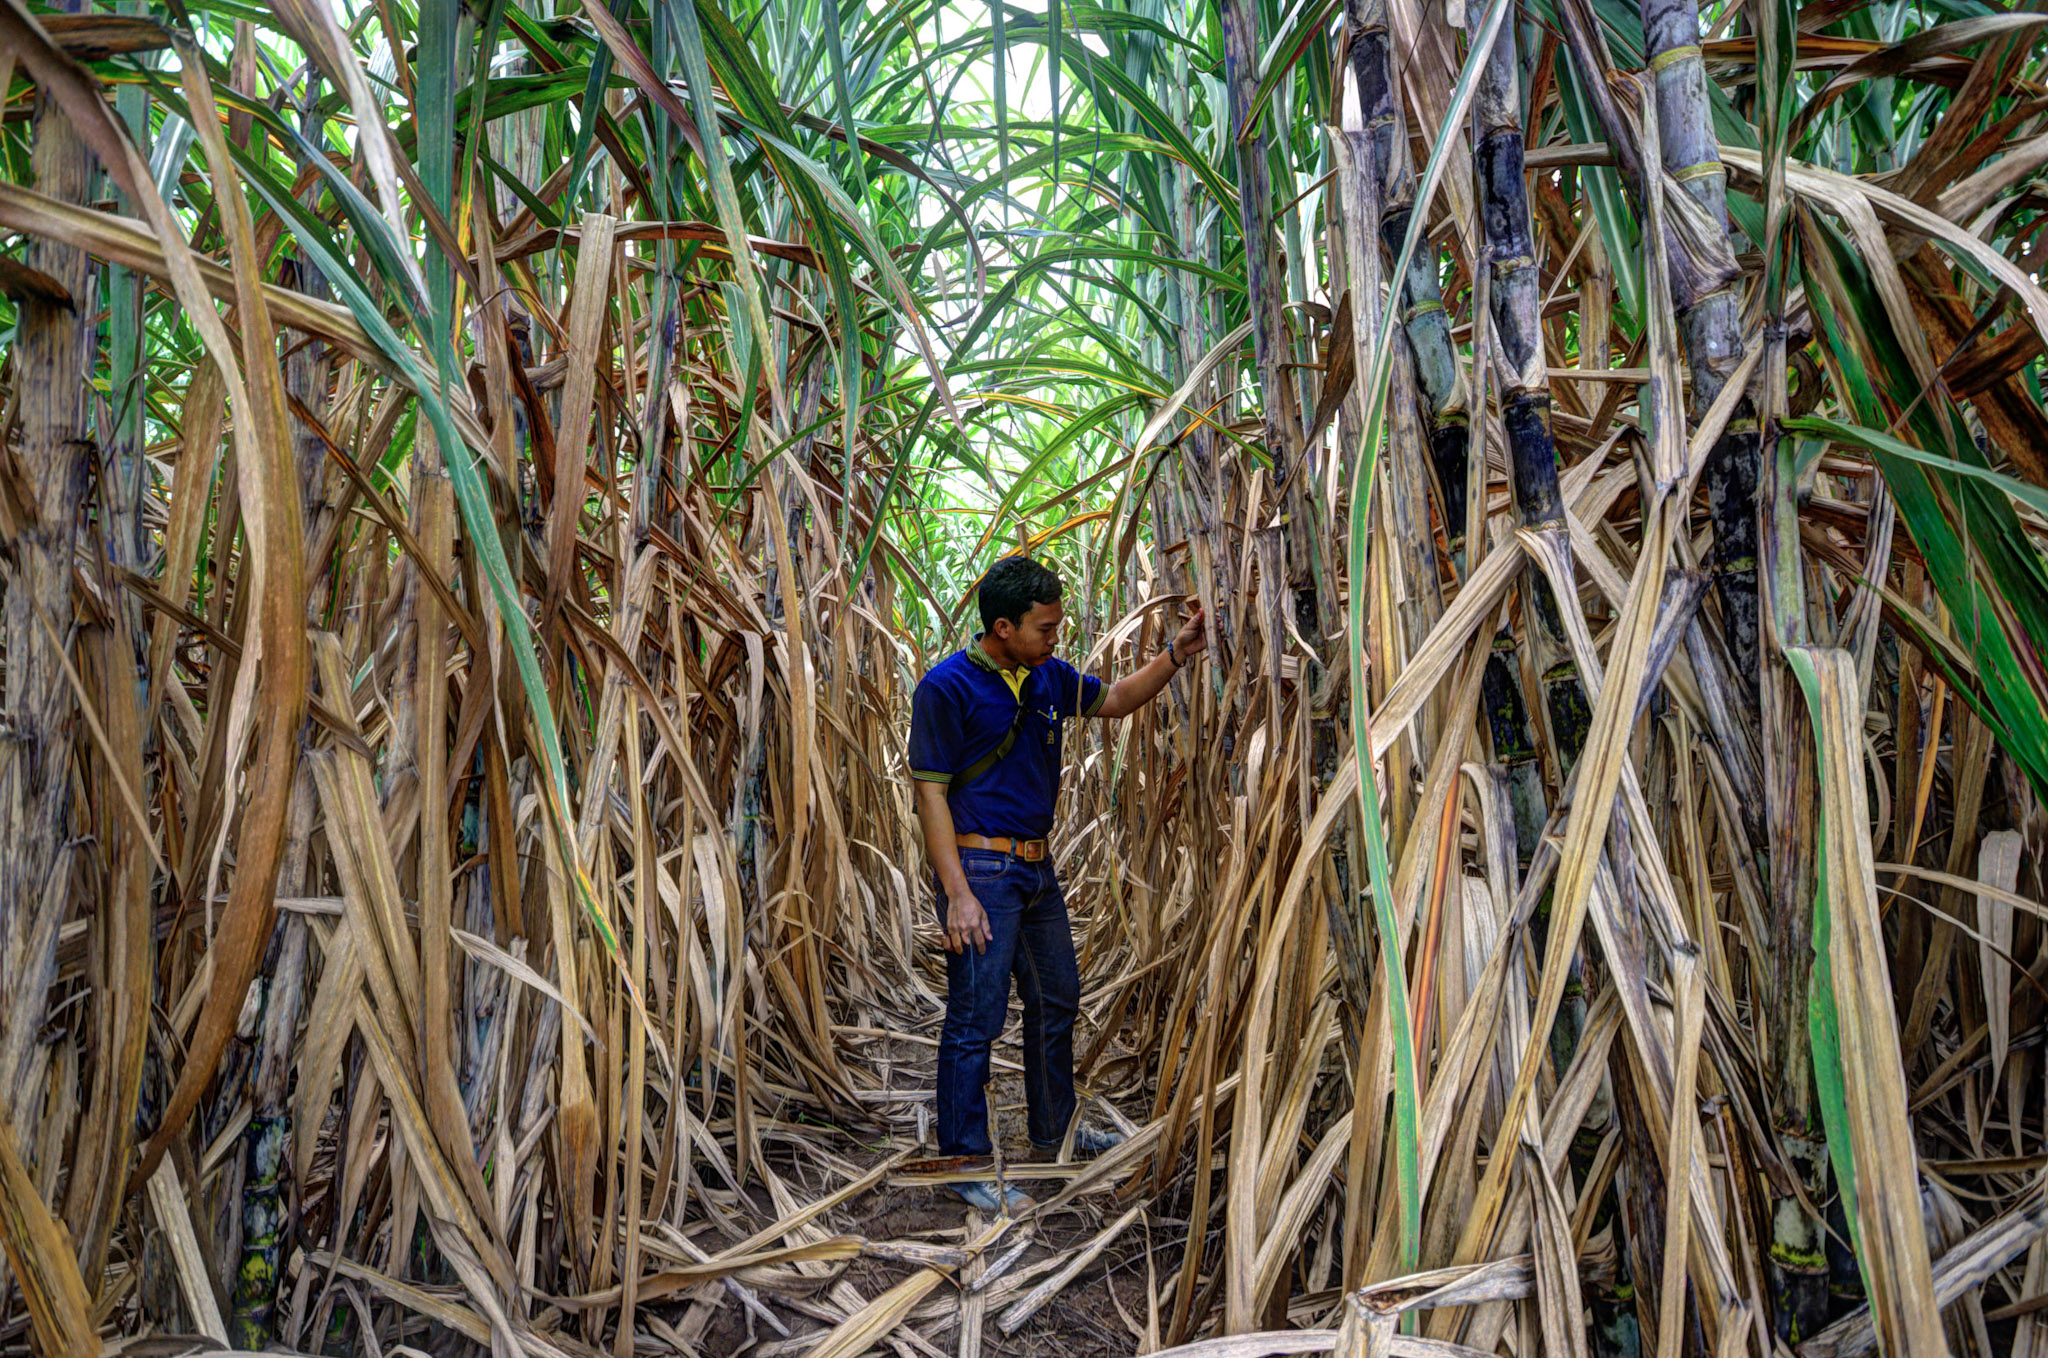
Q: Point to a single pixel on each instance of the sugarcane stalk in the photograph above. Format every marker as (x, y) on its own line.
(1636, 1196)
(1206, 478)
(1264, 272)
(1362, 151)
(1708, 313)
(113, 650)
(1364, 155)
(1425, 324)
(1509, 252)
(1741, 459)
(53, 454)
(1508, 249)
(1514, 746)
(1710, 324)
(1703, 274)
(1797, 1256)
(1265, 280)
(266, 1169)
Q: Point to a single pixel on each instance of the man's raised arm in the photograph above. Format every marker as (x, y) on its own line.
(1134, 690)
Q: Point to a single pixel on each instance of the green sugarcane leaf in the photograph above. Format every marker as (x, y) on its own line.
(1303, 23)
(1823, 1018)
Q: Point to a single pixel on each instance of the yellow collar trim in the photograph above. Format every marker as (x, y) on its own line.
(1014, 678)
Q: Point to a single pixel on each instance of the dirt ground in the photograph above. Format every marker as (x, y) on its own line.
(1100, 1314)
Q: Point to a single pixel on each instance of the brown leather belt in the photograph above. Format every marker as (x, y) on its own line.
(1030, 850)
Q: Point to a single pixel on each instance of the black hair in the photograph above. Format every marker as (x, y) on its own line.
(1012, 585)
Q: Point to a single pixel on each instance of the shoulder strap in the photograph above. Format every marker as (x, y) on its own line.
(993, 757)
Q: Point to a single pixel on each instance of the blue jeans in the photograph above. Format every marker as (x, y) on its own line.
(1030, 938)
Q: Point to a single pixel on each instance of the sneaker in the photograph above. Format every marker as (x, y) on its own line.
(1089, 1142)
(983, 1195)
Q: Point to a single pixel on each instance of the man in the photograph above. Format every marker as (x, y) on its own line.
(985, 736)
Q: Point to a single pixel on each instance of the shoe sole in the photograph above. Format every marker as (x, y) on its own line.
(1049, 1155)
(1019, 1202)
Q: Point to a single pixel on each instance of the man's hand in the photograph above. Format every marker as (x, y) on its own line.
(966, 922)
(1193, 637)
(1133, 691)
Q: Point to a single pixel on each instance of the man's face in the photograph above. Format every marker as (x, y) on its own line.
(1031, 639)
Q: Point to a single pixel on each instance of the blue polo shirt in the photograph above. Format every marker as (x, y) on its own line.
(963, 708)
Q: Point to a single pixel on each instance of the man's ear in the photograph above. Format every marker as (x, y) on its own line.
(1001, 629)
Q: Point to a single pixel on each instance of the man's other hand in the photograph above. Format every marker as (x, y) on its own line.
(1194, 636)
(966, 922)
